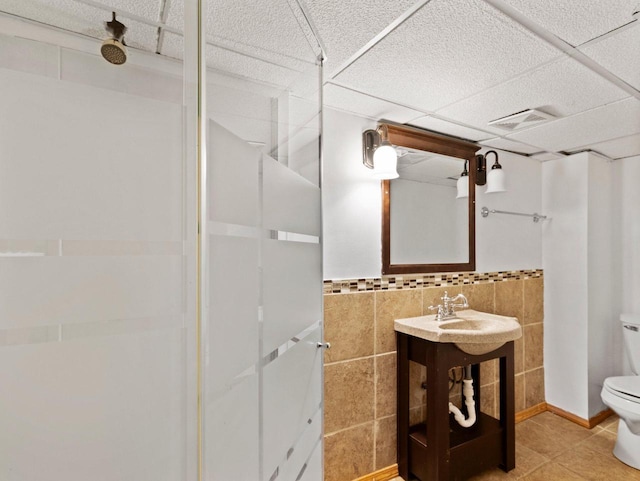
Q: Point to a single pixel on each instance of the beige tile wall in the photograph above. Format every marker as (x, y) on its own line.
(360, 367)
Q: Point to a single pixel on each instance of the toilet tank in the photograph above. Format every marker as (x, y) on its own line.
(631, 334)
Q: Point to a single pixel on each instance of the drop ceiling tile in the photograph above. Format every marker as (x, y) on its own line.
(448, 50)
(561, 88)
(148, 9)
(80, 18)
(172, 45)
(545, 156)
(347, 26)
(611, 121)
(511, 145)
(365, 105)
(450, 128)
(577, 21)
(229, 62)
(264, 29)
(619, 148)
(619, 54)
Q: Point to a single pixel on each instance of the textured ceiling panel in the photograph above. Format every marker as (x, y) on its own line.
(347, 26)
(148, 9)
(619, 148)
(506, 144)
(172, 45)
(80, 18)
(442, 126)
(262, 29)
(619, 54)
(449, 50)
(611, 121)
(577, 21)
(377, 109)
(545, 156)
(235, 64)
(560, 88)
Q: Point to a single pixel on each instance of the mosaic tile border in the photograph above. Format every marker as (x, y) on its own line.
(391, 283)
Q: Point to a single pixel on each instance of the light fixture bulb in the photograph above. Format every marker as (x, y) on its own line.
(496, 181)
(463, 187)
(385, 162)
(462, 184)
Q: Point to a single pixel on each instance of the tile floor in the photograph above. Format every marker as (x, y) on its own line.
(550, 448)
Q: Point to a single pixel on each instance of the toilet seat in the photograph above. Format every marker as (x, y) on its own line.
(626, 387)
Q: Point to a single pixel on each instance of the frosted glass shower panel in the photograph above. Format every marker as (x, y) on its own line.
(232, 437)
(232, 188)
(57, 290)
(105, 408)
(233, 330)
(263, 259)
(314, 469)
(97, 296)
(292, 387)
(291, 202)
(292, 301)
(106, 165)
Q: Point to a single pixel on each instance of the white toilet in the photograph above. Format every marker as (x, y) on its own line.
(622, 395)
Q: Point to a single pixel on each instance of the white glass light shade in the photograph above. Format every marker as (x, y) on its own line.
(496, 181)
(463, 187)
(385, 162)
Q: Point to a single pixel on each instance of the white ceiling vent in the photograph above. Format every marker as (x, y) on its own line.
(522, 120)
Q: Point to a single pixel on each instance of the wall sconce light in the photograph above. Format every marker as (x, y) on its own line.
(378, 153)
(494, 179)
(463, 183)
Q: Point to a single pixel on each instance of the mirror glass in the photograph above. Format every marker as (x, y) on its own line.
(425, 227)
(428, 186)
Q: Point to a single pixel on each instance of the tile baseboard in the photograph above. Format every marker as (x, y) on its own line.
(384, 474)
(530, 412)
(585, 423)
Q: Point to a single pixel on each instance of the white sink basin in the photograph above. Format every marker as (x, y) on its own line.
(471, 331)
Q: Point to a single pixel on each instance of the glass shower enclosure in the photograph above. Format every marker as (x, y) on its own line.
(160, 242)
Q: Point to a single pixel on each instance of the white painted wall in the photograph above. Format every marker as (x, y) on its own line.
(507, 242)
(564, 199)
(627, 244)
(352, 208)
(603, 354)
(628, 177)
(582, 346)
(351, 201)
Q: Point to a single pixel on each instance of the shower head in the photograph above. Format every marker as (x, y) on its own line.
(114, 49)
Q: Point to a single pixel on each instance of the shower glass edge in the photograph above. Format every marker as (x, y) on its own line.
(261, 250)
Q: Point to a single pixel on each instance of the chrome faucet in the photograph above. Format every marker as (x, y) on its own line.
(446, 310)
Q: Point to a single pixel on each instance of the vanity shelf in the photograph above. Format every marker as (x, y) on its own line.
(441, 449)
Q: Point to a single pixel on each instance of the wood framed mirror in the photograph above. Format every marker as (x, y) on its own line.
(425, 228)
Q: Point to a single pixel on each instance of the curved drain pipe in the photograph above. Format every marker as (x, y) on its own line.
(467, 391)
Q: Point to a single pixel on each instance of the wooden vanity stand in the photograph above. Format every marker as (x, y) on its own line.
(441, 449)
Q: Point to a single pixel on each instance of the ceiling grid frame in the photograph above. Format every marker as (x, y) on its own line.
(537, 20)
(561, 45)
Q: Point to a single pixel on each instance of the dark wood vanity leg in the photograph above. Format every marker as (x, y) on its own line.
(403, 405)
(475, 375)
(437, 415)
(507, 409)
